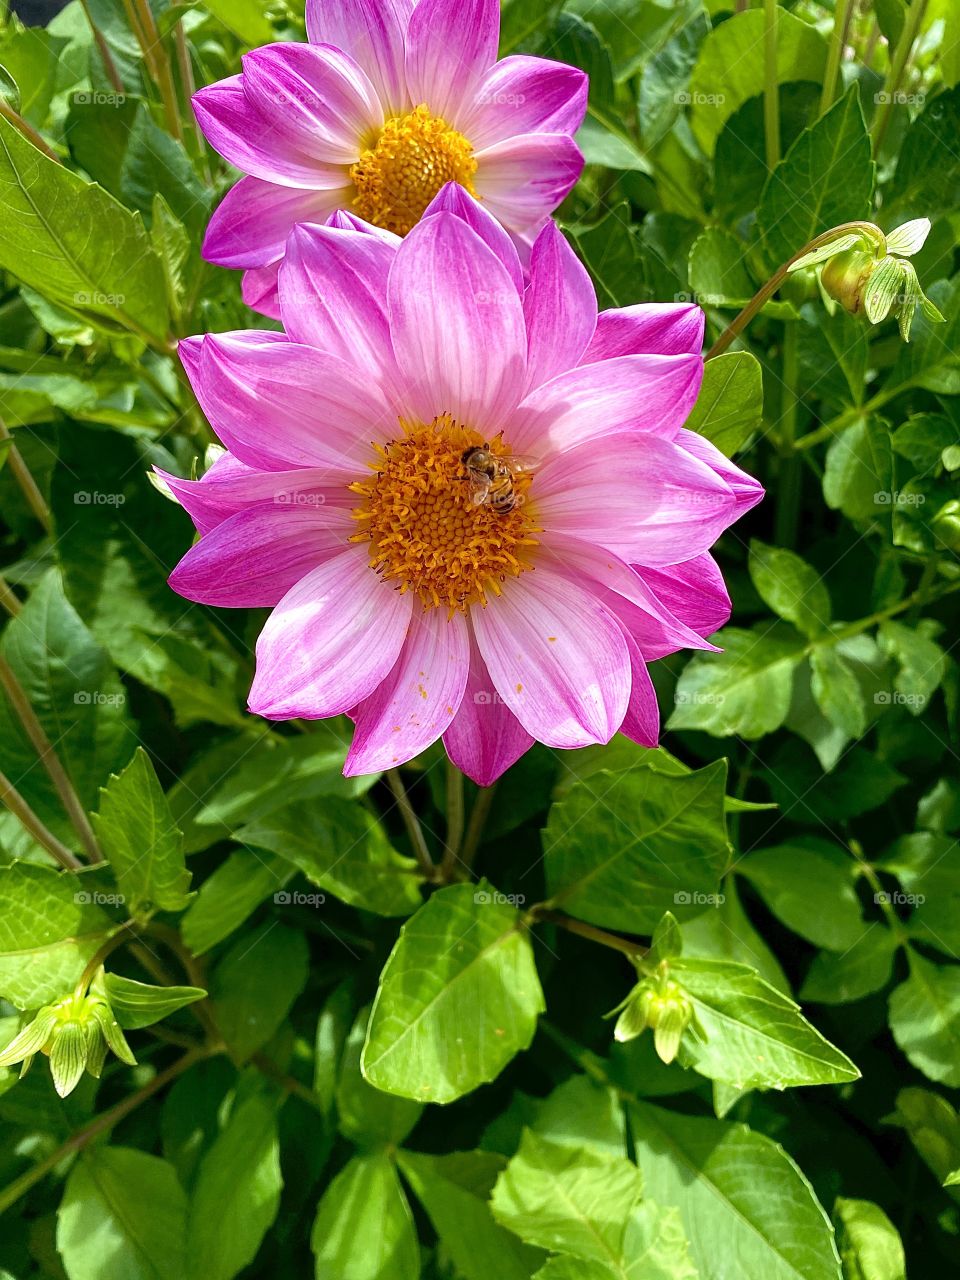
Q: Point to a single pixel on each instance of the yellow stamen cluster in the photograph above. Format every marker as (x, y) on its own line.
(425, 530)
(410, 161)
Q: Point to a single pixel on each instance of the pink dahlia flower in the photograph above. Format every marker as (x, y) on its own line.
(410, 589)
(388, 101)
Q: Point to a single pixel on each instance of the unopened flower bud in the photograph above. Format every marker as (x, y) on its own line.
(74, 1034)
(660, 1004)
(844, 278)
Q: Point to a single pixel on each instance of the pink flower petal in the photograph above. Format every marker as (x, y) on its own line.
(252, 559)
(644, 498)
(642, 721)
(525, 95)
(229, 487)
(316, 96)
(278, 405)
(330, 641)
(560, 308)
(251, 224)
(649, 394)
(485, 738)
(523, 179)
(413, 706)
(557, 657)
(747, 490)
(239, 132)
(450, 44)
(457, 325)
(694, 592)
(260, 290)
(655, 328)
(333, 294)
(372, 32)
(452, 198)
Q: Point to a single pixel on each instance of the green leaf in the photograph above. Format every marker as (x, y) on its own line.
(341, 847)
(568, 1200)
(837, 692)
(927, 179)
(76, 696)
(582, 1112)
(923, 438)
(141, 841)
(609, 251)
(791, 587)
(458, 998)
(454, 1191)
(729, 407)
(751, 1035)
(655, 1248)
(922, 663)
(732, 58)
(254, 985)
(622, 849)
(925, 1019)
(826, 178)
(717, 272)
(137, 1004)
(123, 1216)
(811, 889)
(870, 1245)
(744, 690)
(858, 479)
(369, 1117)
(231, 894)
(726, 933)
(364, 1229)
(75, 244)
(739, 1194)
(933, 1126)
(237, 1193)
(50, 917)
(926, 865)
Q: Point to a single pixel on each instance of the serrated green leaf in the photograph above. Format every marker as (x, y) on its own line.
(744, 690)
(729, 407)
(791, 587)
(364, 1229)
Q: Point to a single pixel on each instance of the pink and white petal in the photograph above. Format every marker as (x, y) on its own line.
(457, 325)
(229, 487)
(557, 657)
(252, 559)
(416, 702)
(559, 306)
(748, 491)
(452, 198)
(372, 32)
(278, 405)
(344, 220)
(234, 127)
(623, 590)
(250, 226)
(450, 45)
(652, 395)
(642, 722)
(651, 328)
(333, 295)
(694, 592)
(520, 94)
(485, 738)
(316, 95)
(330, 641)
(261, 291)
(644, 498)
(523, 179)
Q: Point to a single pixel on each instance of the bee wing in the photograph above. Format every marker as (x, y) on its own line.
(521, 463)
(479, 487)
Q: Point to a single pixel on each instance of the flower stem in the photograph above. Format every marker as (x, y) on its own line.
(771, 87)
(791, 476)
(49, 759)
(911, 28)
(28, 486)
(8, 600)
(113, 75)
(454, 821)
(28, 131)
(98, 1125)
(14, 801)
(412, 823)
(478, 820)
(842, 12)
(767, 290)
(546, 915)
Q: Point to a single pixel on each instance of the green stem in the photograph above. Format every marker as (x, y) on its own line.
(544, 915)
(122, 936)
(412, 824)
(791, 475)
(849, 416)
(100, 1124)
(880, 896)
(454, 821)
(891, 87)
(767, 290)
(11, 798)
(28, 131)
(917, 599)
(8, 600)
(28, 486)
(771, 87)
(109, 66)
(478, 820)
(842, 12)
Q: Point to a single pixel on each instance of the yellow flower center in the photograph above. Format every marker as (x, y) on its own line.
(410, 161)
(426, 527)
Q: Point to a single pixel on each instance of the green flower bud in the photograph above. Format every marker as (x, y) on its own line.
(844, 278)
(660, 1004)
(74, 1034)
